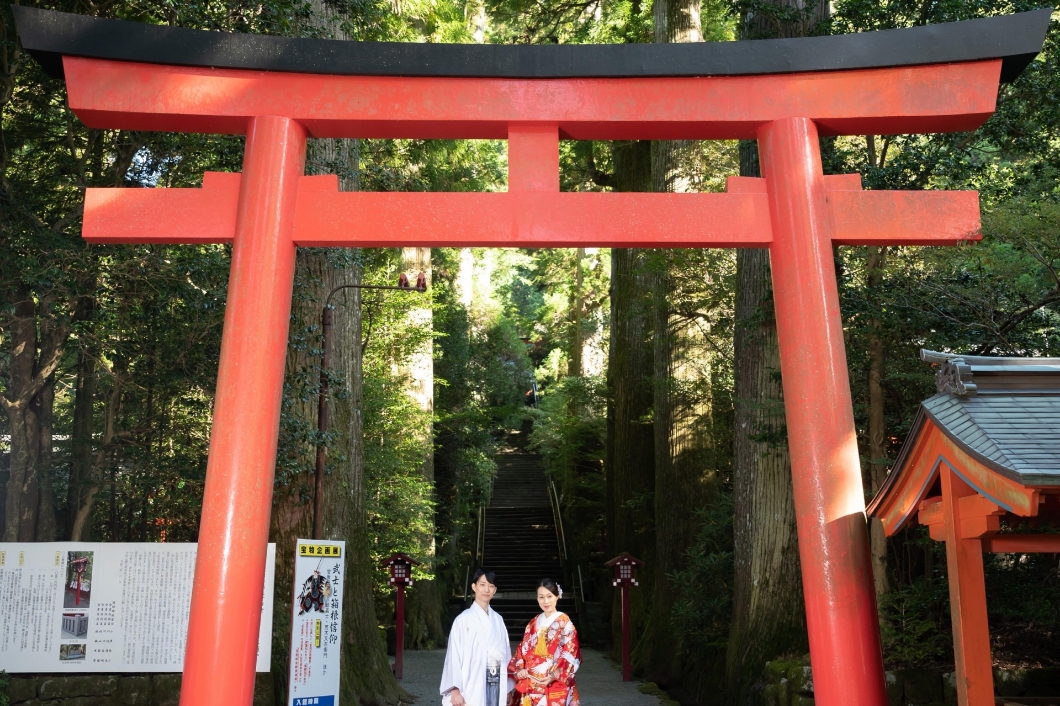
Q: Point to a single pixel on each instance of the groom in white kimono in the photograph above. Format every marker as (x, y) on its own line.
(476, 661)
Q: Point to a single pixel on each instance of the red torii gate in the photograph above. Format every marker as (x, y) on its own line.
(784, 93)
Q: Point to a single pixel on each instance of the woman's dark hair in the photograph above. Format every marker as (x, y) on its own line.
(551, 586)
(490, 575)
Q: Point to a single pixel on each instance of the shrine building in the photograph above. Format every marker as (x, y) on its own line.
(980, 467)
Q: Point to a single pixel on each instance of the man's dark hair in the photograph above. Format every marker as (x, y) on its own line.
(490, 575)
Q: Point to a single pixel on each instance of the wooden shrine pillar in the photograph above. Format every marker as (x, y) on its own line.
(968, 517)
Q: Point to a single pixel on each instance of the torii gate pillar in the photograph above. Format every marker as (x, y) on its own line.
(825, 468)
(223, 638)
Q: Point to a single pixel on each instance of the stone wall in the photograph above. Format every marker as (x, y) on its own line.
(110, 690)
(790, 683)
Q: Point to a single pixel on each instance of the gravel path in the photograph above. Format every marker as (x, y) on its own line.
(599, 681)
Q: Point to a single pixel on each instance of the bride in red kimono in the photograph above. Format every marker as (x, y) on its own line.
(548, 656)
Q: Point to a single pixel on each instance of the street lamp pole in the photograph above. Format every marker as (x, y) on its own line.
(326, 321)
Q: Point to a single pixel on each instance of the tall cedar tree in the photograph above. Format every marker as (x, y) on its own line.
(629, 456)
(768, 613)
(681, 412)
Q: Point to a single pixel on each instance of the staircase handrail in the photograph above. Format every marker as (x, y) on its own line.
(557, 514)
(480, 536)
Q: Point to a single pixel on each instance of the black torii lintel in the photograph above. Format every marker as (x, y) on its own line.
(48, 36)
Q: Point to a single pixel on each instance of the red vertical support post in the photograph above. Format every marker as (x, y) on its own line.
(841, 616)
(627, 665)
(964, 564)
(233, 535)
(533, 157)
(77, 596)
(399, 638)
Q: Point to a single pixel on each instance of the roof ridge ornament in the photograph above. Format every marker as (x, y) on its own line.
(954, 375)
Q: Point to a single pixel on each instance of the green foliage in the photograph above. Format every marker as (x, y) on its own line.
(149, 317)
(1023, 588)
(481, 373)
(4, 681)
(570, 426)
(915, 625)
(703, 589)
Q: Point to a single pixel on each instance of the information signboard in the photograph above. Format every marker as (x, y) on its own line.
(104, 607)
(316, 625)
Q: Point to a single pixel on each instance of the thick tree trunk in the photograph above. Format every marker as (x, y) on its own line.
(81, 465)
(29, 512)
(366, 674)
(577, 306)
(45, 524)
(681, 405)
(877, 257)
(426, 603)
(768, 614)
(630, 468)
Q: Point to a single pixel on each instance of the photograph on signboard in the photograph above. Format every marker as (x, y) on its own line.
(75, 626)
(78, 580)
(72, 653)
(315, 593)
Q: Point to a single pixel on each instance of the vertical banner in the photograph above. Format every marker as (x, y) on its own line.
(316, 624)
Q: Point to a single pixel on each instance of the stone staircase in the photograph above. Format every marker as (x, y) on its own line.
(521, 542)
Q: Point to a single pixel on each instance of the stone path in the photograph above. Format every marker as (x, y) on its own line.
(599, 681)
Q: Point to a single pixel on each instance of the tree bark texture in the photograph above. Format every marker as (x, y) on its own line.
(630, 465)
(768, 613)
(769, 617)
(681, 403)
(81, 465)
(577, 306)
(366, 674)
(877, 257)
(37, 341)
(426, 604)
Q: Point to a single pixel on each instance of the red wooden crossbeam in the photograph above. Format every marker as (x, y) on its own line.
(1023, 543)
(327, 217)
(936, 98)
(980, 520)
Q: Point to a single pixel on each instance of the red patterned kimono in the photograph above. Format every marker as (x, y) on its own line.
(549, 647)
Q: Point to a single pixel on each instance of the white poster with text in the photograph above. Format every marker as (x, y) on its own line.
(316, 626)
(104, 607)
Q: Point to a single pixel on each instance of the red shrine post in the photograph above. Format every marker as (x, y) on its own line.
(400, 567)
(784, 93)
(625, 566)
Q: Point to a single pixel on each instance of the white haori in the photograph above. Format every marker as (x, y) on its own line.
(477, 641)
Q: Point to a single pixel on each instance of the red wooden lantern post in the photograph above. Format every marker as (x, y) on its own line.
(625, 566)
(400, 566)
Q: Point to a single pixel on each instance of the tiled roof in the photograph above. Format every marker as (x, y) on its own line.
(1016, 434)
